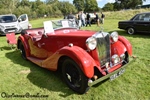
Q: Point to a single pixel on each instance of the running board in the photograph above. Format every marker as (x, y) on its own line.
(35, 60)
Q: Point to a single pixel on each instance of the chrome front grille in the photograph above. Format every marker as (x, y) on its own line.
(103, 48)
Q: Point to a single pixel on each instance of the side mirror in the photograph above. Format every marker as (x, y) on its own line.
(19, 20)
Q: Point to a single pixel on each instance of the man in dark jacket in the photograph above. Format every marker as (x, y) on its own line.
(102, 18)
(88, 22)
(97, 19)
(70, 16)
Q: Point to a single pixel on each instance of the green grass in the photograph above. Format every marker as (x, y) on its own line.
(124, 14)
(19, 76)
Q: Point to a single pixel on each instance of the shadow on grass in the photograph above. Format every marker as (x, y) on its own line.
(8, 48)
(41, 77)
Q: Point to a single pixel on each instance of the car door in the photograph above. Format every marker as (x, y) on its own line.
(23, 21)
(141, 23)
(36, 46)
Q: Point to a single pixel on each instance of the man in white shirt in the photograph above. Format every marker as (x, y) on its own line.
(83, 16)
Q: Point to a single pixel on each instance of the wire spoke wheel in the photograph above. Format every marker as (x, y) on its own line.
(74, 77)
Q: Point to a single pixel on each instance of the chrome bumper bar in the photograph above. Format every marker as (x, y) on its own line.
(110, 74)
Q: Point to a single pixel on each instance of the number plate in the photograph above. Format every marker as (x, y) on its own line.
(117, 74)
(11, 30)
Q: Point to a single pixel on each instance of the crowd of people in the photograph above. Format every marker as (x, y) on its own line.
(83, 19)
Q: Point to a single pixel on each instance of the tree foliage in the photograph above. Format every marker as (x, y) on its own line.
(128, 4)
(37, 8)
(64, 6)
(79, 4)
(123, 4)
(59, 8)
(86, 5)
(91, 6)
(108, 7)
(8, 5)
(51, 1)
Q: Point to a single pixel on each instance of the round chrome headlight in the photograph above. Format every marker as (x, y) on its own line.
(115, 59)
(91, 43)
(114, 36)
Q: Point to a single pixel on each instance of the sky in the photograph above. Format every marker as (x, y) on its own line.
(101, 3)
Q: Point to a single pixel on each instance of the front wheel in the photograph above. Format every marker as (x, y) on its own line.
(74, 77)
(22, 50)
(130, 30)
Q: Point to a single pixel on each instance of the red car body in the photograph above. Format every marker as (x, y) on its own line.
(50, 51)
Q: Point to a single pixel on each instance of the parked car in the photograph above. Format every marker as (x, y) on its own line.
(10, 23)
(84, 57)
(93, 18)
(139, 23)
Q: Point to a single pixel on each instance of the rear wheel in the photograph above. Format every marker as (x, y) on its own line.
(22, 50)
(74, 77)
(130, 30)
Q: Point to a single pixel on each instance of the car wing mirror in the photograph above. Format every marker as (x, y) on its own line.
(19, 20)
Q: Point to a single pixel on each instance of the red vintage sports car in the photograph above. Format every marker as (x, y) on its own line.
(84, 57)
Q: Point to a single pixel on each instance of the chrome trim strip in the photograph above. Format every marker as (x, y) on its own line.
(108, 75)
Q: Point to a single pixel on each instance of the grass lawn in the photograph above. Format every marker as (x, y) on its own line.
(21, 77)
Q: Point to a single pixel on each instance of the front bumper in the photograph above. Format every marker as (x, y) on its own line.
(110, 74)
(15, 30)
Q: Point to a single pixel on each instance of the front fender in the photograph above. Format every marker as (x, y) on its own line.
(81, 57)
(121, 46)
(22, 40)
(127, 44)
(118, 48)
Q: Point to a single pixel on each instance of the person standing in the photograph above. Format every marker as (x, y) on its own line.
(102, 18)
(70, 16)
(83, 18)
(88, 21)
(79, 19)
(97, 19)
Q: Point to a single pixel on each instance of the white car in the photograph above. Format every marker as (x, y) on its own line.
(10, 23)
(92, 18)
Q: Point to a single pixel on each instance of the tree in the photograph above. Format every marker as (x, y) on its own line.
(22, 10)
(86, 5)
(127, 4)
(91, 6)
(36, 4)
(41, 10)
(66, 7)
(49, 10)
(51, 1)
(79, 4)
(24, 3)
(108, 7)
(8, 4)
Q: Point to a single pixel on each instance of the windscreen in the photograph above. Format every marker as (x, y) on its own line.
(64, 23)
(8, 19)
